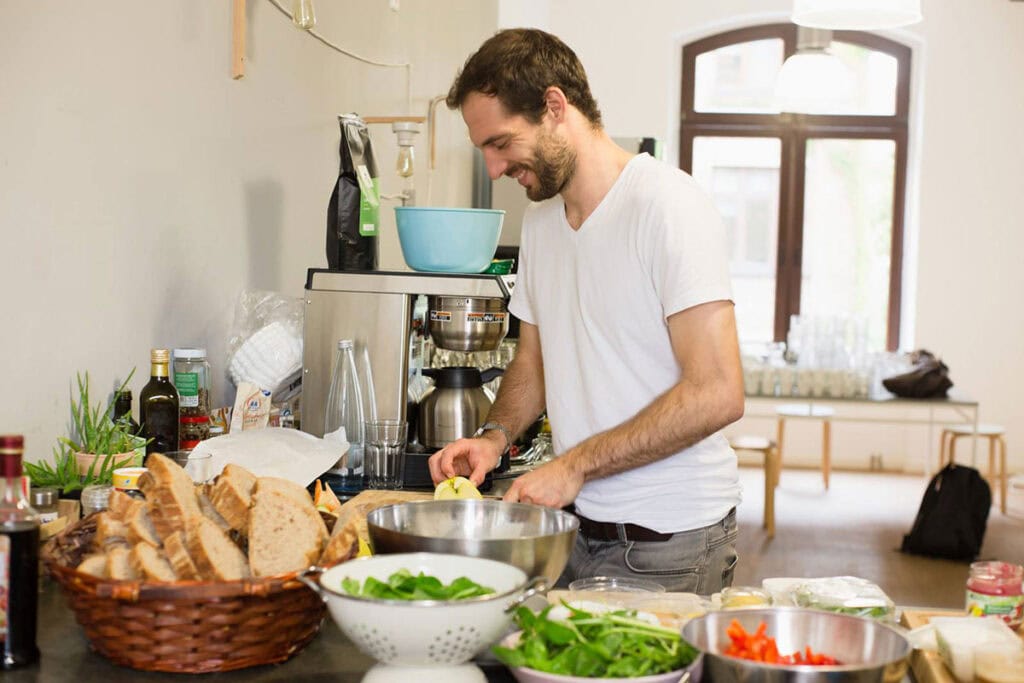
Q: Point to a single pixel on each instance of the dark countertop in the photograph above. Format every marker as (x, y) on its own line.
(66, 656)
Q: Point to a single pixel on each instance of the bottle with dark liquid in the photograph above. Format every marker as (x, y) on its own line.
(19, 561)
(123, 410)
(158, 406)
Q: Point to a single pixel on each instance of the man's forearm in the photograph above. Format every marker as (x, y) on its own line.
(684, 415)
(520, 397)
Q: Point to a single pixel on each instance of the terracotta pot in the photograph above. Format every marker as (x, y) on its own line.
(85, 460)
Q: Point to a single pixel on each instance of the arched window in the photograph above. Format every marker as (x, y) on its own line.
(814, 204)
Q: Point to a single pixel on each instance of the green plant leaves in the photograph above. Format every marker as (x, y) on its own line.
(403, 585)
(610, 645)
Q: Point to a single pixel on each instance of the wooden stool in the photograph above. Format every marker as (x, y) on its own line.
(767, 448)
(994, 434)
(806, 412)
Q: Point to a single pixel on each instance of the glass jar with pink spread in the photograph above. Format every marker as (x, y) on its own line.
(997, 589)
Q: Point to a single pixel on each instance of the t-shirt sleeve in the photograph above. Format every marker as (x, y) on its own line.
(686, 248)
(521, 302)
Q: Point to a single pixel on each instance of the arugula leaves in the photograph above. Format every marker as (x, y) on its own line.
(403, 585)
(609, 645)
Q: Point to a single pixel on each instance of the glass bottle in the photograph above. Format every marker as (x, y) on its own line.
(346, 414)
(158, 406)
(19, 561)
(123, 410)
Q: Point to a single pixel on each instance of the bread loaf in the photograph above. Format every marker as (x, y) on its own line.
(285, 534)
(216, 557)
(151, 564)
(181, 561)
(231, 496)
(94, 565)
(119, 565)
(171, 500)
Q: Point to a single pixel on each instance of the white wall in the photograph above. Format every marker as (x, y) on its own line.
(969, 93)
(141, 188)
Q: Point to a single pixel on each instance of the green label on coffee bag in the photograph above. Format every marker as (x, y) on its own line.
(369, 210)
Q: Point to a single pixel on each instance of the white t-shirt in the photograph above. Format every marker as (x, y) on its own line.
(600, 297)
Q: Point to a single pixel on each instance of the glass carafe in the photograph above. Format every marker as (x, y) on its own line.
(346, 409)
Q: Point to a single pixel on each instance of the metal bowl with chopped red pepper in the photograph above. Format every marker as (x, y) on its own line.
(793, 645)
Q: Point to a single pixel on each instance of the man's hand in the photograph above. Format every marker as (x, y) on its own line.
(472, 458)
(554, 484)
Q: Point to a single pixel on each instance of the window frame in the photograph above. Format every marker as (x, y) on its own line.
(793, 131)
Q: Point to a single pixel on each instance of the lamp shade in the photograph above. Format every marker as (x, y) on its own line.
(813, 82)
(856, 15)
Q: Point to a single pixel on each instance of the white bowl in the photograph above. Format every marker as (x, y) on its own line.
(427, 632)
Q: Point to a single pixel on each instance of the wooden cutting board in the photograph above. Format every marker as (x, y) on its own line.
(927, 664)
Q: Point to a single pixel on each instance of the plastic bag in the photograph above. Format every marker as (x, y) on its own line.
(845, 595)
(265, 346)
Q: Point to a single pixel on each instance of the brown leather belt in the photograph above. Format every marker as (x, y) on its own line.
(612, 531)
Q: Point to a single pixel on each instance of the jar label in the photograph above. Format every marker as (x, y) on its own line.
(45, 517)
(1009, 608)
(187, 384)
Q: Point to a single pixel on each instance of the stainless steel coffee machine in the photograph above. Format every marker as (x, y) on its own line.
(375, 310)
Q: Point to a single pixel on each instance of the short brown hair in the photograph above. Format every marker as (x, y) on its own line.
(517, 66)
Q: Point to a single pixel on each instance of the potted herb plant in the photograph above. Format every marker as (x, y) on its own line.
(97, 446)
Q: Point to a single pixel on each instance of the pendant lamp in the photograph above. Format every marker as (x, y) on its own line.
(856, 15)
(813, 80)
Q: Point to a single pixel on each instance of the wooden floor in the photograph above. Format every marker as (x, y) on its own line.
(855, 528)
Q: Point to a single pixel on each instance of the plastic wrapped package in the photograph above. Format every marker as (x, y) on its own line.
(265, 346)
(845, 595)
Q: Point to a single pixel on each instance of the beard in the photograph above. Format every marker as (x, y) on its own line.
(554, 165)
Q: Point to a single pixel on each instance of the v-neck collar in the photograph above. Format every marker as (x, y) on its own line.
(620, 182)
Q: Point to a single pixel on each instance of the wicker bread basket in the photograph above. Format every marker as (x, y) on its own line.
(187, 626)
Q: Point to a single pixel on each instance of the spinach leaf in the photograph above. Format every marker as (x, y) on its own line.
(403, 585)
(609, 645)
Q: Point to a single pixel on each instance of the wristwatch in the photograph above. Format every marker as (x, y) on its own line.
(488, 426)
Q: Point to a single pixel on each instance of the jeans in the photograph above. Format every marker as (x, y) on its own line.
(698, 561)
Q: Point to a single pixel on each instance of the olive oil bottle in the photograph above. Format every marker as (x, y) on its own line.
(158, 406)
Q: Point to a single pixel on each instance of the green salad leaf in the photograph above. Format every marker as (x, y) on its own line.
(609, 645)
(403, 585)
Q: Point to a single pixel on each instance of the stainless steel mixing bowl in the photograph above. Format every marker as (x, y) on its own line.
(869, 651)
(536, 539)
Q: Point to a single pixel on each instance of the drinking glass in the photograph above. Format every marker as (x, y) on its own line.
(384, 454)
(196, 465)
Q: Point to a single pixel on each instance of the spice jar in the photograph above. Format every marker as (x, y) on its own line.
(192, 380)
(995, 589)
(191, 430)
(44, 500)
(95, 497)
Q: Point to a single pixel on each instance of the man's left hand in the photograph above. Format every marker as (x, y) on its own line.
(554, 484)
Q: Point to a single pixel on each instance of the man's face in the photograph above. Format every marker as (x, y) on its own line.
(532, 154)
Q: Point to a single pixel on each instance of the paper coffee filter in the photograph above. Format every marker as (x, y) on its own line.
(268, 358)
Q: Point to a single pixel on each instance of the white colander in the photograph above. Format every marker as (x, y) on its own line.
(427, 632)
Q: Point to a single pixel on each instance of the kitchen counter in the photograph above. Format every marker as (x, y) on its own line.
(66, 656)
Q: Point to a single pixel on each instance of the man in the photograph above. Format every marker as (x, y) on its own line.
(627, 337)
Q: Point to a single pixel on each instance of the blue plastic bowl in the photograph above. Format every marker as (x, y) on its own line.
(448, 240)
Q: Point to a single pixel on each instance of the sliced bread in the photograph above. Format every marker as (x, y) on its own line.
(94, 565)
(110, 532)
(172, 493)
(289, 488)
(216, 557)
(285, 535)
(122, 506)
(210, 512)
(140, 527)
(231, 496)
(151, 564)
(181, 561)
(119, 565)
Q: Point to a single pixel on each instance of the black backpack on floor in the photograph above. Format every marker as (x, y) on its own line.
(953, 514)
